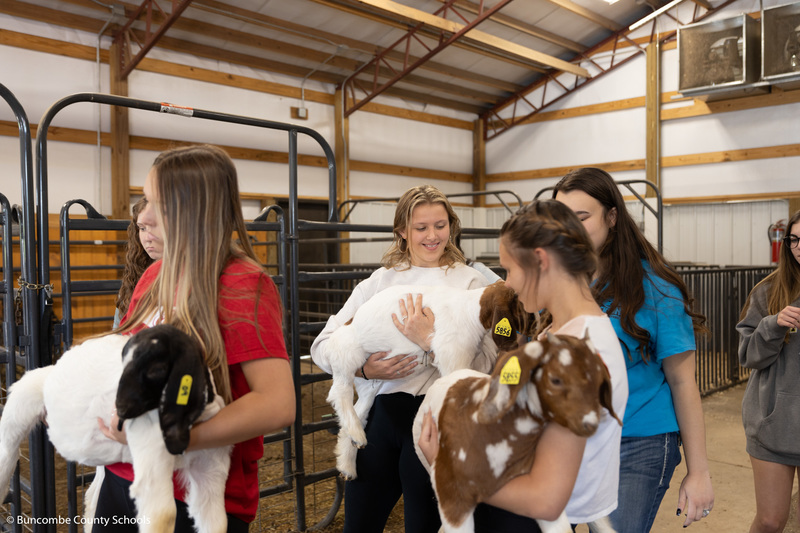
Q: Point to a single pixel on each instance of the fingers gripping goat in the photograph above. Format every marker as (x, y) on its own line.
(489, 426)
(158, 380)
(463, 318)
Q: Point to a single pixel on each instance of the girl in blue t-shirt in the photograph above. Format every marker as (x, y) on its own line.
(652, 314)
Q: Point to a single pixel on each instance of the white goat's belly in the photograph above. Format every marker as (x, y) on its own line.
(90, 384)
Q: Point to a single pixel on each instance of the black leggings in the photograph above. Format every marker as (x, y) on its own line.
(387, 468)
(116, 511)
(490, 519)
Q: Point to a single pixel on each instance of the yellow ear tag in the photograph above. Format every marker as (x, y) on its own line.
(503, 328)
(185, 389)
(511, 372)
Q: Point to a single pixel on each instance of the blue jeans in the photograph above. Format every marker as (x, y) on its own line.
(646, 467)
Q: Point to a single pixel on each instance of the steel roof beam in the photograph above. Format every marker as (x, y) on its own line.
(495, 124)
(124, 37)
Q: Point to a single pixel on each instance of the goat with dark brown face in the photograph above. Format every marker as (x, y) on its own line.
(489, 425)
(167, 372)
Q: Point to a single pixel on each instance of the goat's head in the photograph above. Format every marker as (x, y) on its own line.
(164, 368)
(504, 315)
(560, 378)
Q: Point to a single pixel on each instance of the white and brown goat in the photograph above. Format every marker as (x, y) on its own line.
(463, 318)
(489, 425)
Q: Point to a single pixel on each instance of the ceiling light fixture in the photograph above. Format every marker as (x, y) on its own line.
(610, 2)
(653, 15)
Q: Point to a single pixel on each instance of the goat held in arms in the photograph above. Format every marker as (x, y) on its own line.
(160, 385)
(489, 425)
(463, 318)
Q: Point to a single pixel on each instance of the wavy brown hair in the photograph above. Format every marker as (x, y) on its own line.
(784, 281)
(620, 275)
(551, 225)
(398, 253)
(136, 260)
(198, 209)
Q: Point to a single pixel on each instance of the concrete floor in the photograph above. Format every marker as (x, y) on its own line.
(731, 474)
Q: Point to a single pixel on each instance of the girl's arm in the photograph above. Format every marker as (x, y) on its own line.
(543, 493)
(696, 492)
(268, 407)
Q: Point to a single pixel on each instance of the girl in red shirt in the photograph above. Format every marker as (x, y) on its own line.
(213, 288)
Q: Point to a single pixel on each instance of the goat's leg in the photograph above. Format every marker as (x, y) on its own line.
(91, 497)
(340, 397)
(205, 474)
(346, 450)
(467, 526)
(152, 488)
(602, 525)
(559, 525)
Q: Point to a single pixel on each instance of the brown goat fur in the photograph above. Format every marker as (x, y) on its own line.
(489, 425)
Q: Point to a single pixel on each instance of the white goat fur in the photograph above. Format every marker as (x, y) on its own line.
(80, 388)
(458, 337)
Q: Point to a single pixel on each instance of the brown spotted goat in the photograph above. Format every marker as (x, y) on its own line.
(489, 425)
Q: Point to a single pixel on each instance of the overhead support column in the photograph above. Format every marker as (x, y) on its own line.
(341, 152)
(652, 163)
(479, 162)
(120, 141)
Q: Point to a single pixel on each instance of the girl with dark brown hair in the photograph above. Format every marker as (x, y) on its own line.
(651, 310)
(145, 245)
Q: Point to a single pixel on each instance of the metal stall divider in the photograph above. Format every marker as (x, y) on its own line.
(22, 342)
(288, 284)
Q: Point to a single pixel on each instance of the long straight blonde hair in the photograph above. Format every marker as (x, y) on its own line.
(198, 208)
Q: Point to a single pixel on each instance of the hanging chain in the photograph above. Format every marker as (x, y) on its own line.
(48, 288)
(34, 286)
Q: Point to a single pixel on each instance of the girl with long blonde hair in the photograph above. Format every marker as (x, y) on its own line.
(210, 286)
(423, 252)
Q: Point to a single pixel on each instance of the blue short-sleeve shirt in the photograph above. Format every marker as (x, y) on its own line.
(650, 410)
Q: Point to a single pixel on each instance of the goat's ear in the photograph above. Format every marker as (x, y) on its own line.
(511, 374)
(606, 396)
(499, 314)
(185, 395)
(146, 359)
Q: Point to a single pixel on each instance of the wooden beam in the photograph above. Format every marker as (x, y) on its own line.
(495, 42)
(700, 108)
(341, 129)
(587, 14)
(120, 140)
(479, 162)
(155, 144)
(524, 27)
(384, 17)
(252, 17)
(76, 51)
(653, 118)
(706, 158)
